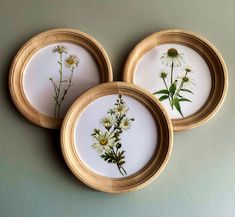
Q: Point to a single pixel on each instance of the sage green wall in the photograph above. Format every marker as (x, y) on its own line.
(199, 180)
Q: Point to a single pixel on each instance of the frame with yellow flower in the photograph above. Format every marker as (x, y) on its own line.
(52, 69)
(111, 151)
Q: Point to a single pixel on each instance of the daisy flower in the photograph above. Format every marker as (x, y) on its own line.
(59, 49)
(188, 69)
(107, 122)
(172, 57)
(125, 123)
(187, 82)
(71, 61)
(120, 109)
(104, 141)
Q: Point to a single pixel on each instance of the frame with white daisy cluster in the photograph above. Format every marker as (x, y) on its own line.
(184, 71)
(52, 69)
(104, 143)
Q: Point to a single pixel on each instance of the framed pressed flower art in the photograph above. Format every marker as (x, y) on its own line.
(184, 71)
(105, 144)
(52, 69)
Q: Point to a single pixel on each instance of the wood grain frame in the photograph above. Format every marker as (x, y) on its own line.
(36, 43)
(209, 53)
(145, 175)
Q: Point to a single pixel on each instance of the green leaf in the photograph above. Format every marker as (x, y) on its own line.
(176, 103)
(184, 100)
(163, 97)
(172, 88)
(95, 132)
(162, 92)
(179, 95)
(122, 162)
(187, 90)
(118, 145)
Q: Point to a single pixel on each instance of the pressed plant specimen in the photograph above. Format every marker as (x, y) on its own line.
(63, 84)
(176, 85)
(107, 141)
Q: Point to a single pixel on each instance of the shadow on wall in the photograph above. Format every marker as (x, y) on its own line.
(55, 153)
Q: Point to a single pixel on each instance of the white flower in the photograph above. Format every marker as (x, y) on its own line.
(125, 123)
(120, 109)
(172, 57)
(188, 69)
(187, 82)
(163, 75)
(71, 61)
(59, 49)
(107, 122)
(104, 141)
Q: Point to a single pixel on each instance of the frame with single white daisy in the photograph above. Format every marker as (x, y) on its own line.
(79, 63)
(159, 63)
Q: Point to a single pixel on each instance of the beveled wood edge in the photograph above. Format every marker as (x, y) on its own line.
(15, 87)
(135, 54)
(67, 124)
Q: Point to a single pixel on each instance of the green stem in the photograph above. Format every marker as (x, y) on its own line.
(178, 90)
(168, 90)
(121, 170)
(117, 127)
(124, 170)
(55, 86)
(180, 86)
(172, 71)
(56, 96)
(165, 83)
(67, 88)
(172, 68)
(59, 88)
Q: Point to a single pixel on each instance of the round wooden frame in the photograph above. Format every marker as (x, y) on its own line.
(33, 45)
(207, 51)
(145, 175)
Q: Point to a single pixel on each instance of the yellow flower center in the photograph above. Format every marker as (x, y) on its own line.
(125, 123)
(107, 123)
(119, 109)
(70, 61)
(103, 141)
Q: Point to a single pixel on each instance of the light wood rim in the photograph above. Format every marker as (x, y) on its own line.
(33, 45)
(145, 175)
(207, 51)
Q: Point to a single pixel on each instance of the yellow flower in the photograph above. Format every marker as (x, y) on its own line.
(107, 122)
(104, 141)
(120, 109)
(71, 61)
(125, 123)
